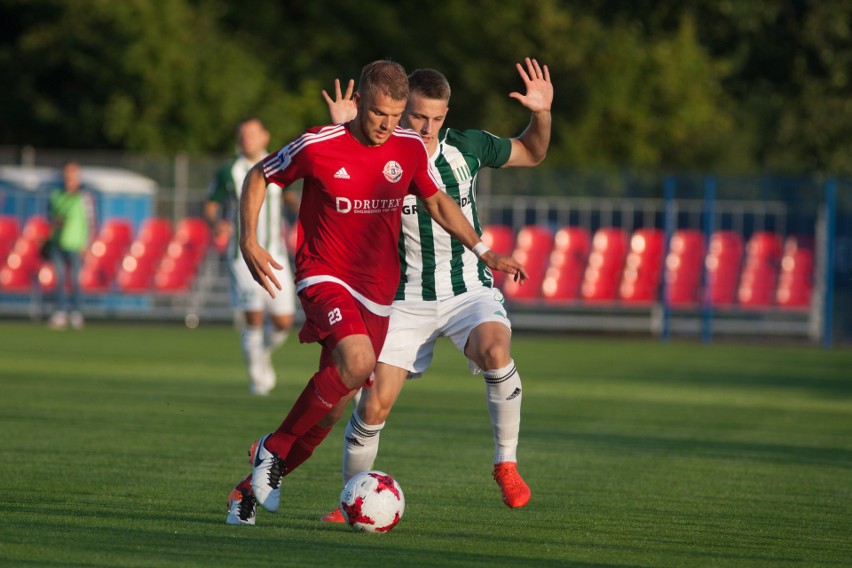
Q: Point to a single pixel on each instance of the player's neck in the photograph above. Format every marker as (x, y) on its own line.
(354, 128)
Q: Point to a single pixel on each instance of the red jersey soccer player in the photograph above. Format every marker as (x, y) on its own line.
(347, 266)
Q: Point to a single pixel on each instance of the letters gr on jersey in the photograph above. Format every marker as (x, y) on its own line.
(412, 209)
(346, 205)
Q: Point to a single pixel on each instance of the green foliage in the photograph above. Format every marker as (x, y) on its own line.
(647, 84)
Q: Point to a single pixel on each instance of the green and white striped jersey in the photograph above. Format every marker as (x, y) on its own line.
(226, 189)
(433, 265)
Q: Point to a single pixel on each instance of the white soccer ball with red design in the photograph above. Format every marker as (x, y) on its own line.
(372, 501)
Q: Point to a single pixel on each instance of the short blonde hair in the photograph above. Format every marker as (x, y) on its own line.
(386, 77)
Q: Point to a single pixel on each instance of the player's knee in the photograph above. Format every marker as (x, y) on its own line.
(493, 356)
(283, 323)
(356, 369)
(375, 411)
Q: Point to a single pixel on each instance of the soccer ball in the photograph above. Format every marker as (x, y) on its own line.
(372, 501)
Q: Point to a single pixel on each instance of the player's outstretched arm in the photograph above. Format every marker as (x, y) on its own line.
(530, 148)
(342, 107)
(256, 258)
(447, 213)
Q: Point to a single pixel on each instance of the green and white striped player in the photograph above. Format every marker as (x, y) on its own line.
(445, 290)
(258, 338)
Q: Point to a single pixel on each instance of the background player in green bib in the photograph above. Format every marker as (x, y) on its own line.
(444, 289)
(258, 338)
(72, 220)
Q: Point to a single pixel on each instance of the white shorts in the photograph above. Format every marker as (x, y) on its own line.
(249, 296)
(415, 327)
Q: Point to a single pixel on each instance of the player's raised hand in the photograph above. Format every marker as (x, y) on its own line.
(497, 261)
(342, 107)
(259, 262)
(539, 89)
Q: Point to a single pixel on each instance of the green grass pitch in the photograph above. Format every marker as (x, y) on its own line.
(121, 442)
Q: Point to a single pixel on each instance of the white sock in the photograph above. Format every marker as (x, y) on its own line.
(274, 338)
(503, 392)
(360, 446)
(251, 339)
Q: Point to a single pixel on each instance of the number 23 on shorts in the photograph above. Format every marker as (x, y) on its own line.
(334, 316)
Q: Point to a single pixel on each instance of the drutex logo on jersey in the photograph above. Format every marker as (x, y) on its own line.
(346, 205)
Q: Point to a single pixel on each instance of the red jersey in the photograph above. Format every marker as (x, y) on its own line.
(350, 215)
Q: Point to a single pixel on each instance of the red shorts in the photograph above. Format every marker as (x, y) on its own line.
(331, 313)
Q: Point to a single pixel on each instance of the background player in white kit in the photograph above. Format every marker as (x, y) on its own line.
(444, 289)
(258, 338)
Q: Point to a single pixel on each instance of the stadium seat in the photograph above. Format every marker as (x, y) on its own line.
(20, 267)
(155, 230)
(501, 239)
(14, 280)
(136, 270)
(723, 266)
(606, 261)
(37, 228)
(103, 257)
(47, 277)
(9, 229)
(185, 252)
(640, 281)
(758, 282)
(532, 249)
(116, 231)
(795, 281)
(134, 277)
(683, 267)
(567, 264)
(194, 236)
(174, 274)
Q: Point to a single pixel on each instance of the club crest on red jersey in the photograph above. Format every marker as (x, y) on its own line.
(392, 171)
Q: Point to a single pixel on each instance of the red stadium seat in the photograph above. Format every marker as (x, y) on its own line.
(20, 267)
(184, 254)
(9, 229)
(567, 264)
(643, 267)
(155, 230)
(37, 228)
(723, 266)
(501, 239)
(116, 231)
(15, 280)
(683, 267)
(606, 261)
(136, 270)
(103, 257)
(47, 277)
(134, 278)
(532, 249)
(193, 235)
(795, 281)
(758, 282)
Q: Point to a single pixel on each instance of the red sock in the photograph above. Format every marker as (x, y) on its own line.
(304, 446)
(322, 392)
(245, 483)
